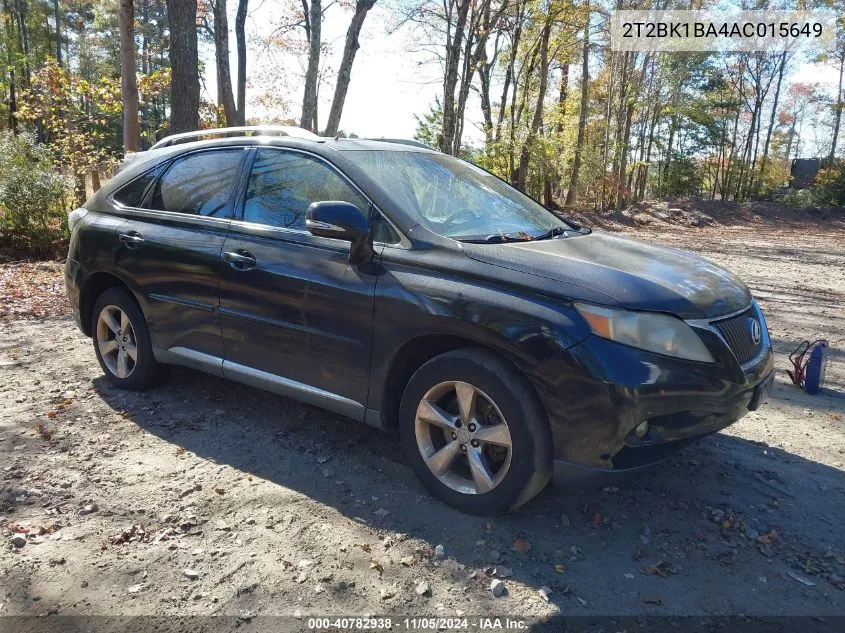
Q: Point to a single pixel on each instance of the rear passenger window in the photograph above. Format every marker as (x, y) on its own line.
(283, 185)
(132, 194)
(198, 184)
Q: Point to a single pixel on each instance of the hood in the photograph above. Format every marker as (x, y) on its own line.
(636, 275)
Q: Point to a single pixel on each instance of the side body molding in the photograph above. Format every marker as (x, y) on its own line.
(263, 380)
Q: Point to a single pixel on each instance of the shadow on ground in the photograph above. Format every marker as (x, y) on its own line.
(715, 530)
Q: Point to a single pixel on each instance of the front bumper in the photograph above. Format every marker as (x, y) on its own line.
(597, 392)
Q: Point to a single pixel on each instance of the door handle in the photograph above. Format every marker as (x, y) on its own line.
(132, 239)
(240, 260)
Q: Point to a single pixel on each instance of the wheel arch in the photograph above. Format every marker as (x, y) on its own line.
(94, 286)
(414, 353)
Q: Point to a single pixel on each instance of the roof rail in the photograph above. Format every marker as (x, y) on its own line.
(246, 130)
(401, 141)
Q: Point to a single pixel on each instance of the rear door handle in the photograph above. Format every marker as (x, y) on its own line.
(240, 259)
(133, 239)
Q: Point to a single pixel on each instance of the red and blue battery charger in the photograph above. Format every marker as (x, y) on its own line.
(809, 361)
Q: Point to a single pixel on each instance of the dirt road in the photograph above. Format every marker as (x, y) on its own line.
(207, 497)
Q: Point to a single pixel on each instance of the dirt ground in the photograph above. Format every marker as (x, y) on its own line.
(207, 497)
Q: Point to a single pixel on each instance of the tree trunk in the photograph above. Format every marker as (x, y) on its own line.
(184, 81)
(623, 161)
(240, 35)
(221, 56)
(344, 74)
(308, 120)
(58, 17)
(450, 77)
(20, 14)
(128, 84)
(765, 158)
(838, 119)
(145, 52)
(10, 59)
(537, 119)
(582, 116)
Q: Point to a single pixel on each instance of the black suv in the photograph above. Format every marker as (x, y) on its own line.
(410, 290)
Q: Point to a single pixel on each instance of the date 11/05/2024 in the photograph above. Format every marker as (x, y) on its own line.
(723, 30)
(418, 623)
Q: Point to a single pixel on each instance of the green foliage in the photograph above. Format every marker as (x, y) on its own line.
(681, 177)
(828, 190)
(33, 194)
(430, 126)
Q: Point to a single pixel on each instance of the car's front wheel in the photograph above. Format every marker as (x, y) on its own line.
(122, 342)
(474, 432)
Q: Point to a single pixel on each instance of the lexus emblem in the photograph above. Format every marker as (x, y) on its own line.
(754, 326)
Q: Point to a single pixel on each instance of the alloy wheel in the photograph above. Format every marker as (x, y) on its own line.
(116, 341)
(463, 437)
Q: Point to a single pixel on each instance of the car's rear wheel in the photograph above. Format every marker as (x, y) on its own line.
(474, 432)
(122, 342)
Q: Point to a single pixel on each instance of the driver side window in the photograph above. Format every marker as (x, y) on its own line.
(282, 185)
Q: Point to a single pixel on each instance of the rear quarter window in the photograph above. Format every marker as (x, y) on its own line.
(198, 184)
(133, 193)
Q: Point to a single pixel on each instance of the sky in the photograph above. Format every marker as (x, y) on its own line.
(390, 84)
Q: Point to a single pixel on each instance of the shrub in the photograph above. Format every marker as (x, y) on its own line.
(681, 177)
(830, 184)
(33, 195)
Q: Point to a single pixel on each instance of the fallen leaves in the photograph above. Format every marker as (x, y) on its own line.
(521, 545)
(32, 289)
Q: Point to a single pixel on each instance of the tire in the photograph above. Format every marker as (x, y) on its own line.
(501, 394)
(140, 372)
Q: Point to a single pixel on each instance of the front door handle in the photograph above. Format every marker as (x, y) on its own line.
(240, 259)
(133, 239)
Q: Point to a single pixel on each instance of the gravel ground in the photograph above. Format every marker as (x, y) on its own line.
(206, 497)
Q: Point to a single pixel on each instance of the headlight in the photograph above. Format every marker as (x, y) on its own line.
(650, 331)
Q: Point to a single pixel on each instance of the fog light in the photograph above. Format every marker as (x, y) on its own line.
(641, 430)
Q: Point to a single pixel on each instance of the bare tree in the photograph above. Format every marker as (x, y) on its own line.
(344, 74)
(313, 27)
(184, 82)
(537, 118)
(221, 56)
(454, 42)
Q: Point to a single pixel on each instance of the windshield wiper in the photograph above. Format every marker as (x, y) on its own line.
(498, 238)
(556, 231)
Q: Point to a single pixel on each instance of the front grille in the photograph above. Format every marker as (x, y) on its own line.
(737, 334)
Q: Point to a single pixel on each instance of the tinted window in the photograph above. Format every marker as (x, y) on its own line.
(198, 184)
(383, 232)
(132, 194)
(282, 185)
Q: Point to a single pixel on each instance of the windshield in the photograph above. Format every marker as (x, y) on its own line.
(456, 199)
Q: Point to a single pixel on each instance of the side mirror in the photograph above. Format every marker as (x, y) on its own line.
(342, 221)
